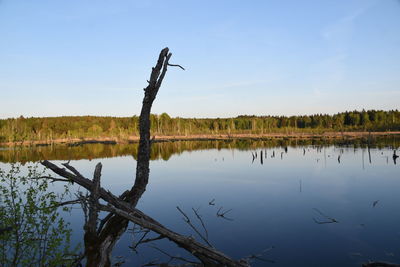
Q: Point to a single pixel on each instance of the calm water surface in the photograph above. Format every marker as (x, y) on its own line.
(279, 201)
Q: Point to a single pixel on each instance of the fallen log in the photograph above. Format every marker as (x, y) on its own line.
(119, 207)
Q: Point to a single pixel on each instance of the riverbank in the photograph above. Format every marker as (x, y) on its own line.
(199, 137)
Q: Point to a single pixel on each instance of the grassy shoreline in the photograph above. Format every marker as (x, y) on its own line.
(199, 137)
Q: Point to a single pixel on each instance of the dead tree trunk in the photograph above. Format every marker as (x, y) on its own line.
(150, 93)
(115, 225)
(100, 241)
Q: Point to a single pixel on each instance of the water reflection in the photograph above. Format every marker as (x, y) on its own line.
(315, 203)
(164, 150)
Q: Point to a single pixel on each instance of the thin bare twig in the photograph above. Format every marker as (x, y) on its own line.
(174, 257)
(201, 221)
(60, 204)
(176, 65)
(189, 222)
(52, 179)
(212, 202)
(221, 214)
(329, 219)
(72, 169)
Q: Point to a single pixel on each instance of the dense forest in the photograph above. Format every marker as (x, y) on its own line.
(121, 128)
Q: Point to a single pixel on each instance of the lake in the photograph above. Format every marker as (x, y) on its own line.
(286, 202)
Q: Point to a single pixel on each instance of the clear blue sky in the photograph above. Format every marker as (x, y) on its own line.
(262, 57)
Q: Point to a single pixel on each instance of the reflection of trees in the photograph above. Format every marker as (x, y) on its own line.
(31, 231)
(164, 150)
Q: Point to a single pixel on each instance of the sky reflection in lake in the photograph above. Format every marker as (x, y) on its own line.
(275, 204)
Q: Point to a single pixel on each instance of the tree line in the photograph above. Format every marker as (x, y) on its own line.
(83, 127)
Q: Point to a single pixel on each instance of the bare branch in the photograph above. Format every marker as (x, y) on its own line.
(176, 65)
(188, 221)
(94, 201)
(72, 169)
(201, 221)
(175, 257)
(329, 219)
(60, 204)
(221, 214)
(142, 240)
(197, 249)
(53, 179)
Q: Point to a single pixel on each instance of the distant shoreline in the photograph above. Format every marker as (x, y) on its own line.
(202, 137)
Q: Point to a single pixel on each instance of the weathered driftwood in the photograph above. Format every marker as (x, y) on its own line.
(124, 209)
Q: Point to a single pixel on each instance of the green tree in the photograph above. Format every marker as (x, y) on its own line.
(33, 233)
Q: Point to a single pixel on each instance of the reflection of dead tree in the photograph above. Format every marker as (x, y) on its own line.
(395, 156)
(300, 188)
(328, 219)
(100, 241)
(221, 213)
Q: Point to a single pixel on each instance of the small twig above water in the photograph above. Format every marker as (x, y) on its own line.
(52, 179)
(212, 202)
(221, 213)
(201, 221)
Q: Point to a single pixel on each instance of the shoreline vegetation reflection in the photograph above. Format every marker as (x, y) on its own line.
(164, 150)
(320, 214)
